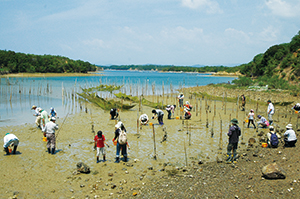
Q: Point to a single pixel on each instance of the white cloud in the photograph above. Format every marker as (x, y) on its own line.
(237, 35)
(284, 8)
(97, 43)
(268, 34)
(210, 6)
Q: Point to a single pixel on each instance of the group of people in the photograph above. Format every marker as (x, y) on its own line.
(47, 124)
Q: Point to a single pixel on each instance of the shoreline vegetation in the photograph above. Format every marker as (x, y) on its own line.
(50, 74)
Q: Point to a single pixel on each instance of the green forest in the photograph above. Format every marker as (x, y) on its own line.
(12, 62)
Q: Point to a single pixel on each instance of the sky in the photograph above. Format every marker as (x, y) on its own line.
(165, 32)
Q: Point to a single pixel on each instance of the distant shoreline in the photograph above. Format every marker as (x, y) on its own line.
(50, 74)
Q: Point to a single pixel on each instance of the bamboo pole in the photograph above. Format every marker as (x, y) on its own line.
(185, 154)
(154, 156)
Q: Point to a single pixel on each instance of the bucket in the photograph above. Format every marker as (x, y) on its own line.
(150, 123)
(296, 112)
(9, 149)
(264, 145)
(44, 139)
(177, 117)
(115, 142)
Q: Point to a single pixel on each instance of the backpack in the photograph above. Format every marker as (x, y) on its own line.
(122, 137)
(274, 139)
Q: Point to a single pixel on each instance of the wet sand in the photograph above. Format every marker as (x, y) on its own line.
(33, 173)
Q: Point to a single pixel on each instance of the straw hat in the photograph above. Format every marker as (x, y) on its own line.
(271, 127)
(289, 126)
(234, 121)
(52, 118)
(33, 107)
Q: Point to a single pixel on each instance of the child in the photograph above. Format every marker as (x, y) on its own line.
(99, 143)
(251, 118)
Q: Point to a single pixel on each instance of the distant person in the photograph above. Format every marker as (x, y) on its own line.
(49, 133)
(99, 144)
(144, 119)
(170, 109)
(159, 114)
(233, 134)
(296, 107)
(37, 115)
(243, 102)
(271, 111)
(273, 138)
(122, 144)
(180, 100)
(52, 113)
(10, 139)
(114, 113)
(290, 136)
(251, 118)
(263, 122)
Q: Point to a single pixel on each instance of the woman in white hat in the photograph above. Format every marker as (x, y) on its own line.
(290, 136)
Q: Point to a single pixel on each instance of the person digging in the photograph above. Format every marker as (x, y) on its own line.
(233, 134)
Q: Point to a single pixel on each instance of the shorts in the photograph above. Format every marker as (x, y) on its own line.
(102, 150)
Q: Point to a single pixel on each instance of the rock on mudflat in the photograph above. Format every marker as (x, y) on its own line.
(273, 171)
(83, 168)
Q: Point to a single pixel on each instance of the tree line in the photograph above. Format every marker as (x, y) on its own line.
(12, 62)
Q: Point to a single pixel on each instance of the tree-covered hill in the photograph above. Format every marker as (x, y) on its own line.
(12, 62)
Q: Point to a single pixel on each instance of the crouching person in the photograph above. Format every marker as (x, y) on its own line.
(290, 136)
(273, 138)
(10, 139)
(233, 133)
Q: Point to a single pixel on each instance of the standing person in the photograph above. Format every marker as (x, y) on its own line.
(263, 122)
(122, 144)
(290, 136)
(159, 114)
(272, 138)
(44, 118)
(243, 102)
(52, 113)
(114, 113)
(49, 133)
(10, 139)
(271, 111)
(37, 115)
(233, 133)
(180, 100)
(99, 144)
(251, 118)
(144, 119)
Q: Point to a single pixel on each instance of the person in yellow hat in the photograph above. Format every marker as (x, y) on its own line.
(37, 115)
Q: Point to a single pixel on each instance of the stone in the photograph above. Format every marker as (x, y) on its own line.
(273, 171)
(251, 141)
(200, 162)
(83, 168)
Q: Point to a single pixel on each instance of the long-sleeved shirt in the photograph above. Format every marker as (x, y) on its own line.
(37, 113)
(291, 135)
(50, 127)
(270, 107)
(234, 133)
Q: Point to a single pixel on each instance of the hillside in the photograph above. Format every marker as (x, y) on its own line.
(12, 62)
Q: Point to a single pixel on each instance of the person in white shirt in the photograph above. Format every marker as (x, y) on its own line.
(251, 118)
(49, 133)
(10, 139)
(159, 114)
(180, 100)
(290, 136)
(38, 115)
(271, 111)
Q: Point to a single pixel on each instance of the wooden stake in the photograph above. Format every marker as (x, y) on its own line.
(186, 162)
(154, 142)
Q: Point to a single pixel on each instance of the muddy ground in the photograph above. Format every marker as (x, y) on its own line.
(176, 173)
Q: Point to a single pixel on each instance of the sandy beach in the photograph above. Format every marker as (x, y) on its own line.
(33, 173)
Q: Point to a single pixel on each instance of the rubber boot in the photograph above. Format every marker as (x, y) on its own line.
(125, 158)
(117, 160)
(6, 150)
(15, 149)
(234, 157)
(49, 151)
(229, 158)
(52, 151)
(104, 158)
(97, 160)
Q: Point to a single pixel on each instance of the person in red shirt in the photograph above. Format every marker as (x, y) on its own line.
(99, 143)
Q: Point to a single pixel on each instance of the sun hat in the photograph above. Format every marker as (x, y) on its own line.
(51, 108)
(271, 127)
(259, 116)
(52, 118)
(6, 133)
(289, 126)
(251, 110)
(118, 125)
(33, 107)
(234, 121)
(269, 101)
(187, 102)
